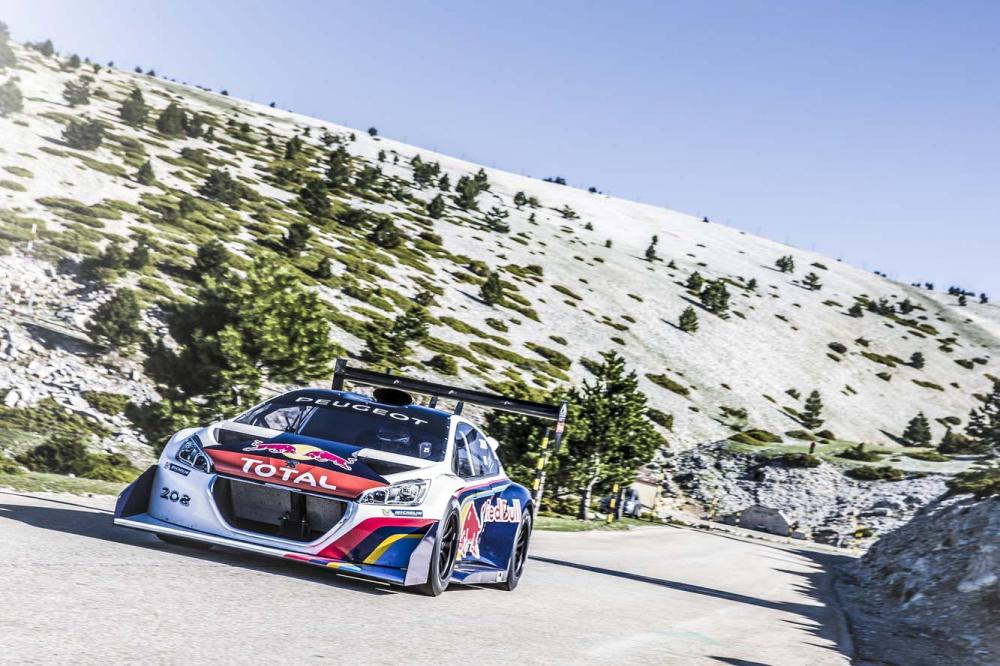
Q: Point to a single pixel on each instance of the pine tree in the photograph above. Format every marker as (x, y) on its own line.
(906, 306)
(11, 100)
(296, 239)
(314, 197)
(293, 147)
(372, 131)
(220, 186)
(752, 284)
(786, 264)
(695, 281)
(77, 93)
(917, 360)
(715, 297)
(212, 259)
(73, 62)
(386, 234)
(612, 435)
(810, 416)
(444, 184)
(172, 120)
(338, 171)
(436, 207)
(984, 421)
(368, 179)
(651, 250)
(689, 320)
(133, 110)
(324, 271)
(496, 220)
(140, 256)
(492, 290)
(409, 328)
(467, 190)
(856, 311)
(918, 431)
(520, 200)
(116, 322)
(812, 282)
(963, 300)
(145, 175)
(84, 134)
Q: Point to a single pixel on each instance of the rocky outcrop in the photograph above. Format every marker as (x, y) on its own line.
(928, 593)
(823, 503)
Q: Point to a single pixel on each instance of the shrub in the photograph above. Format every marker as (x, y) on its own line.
(826, 434)
(764, 436)
(928, 456)
(11, 100)
(445, 364)
(981, 482)
(860, 454)
(662, 419)
(665, 382)
(134, 110)
(116, 322)
(803, 460)
(884, 473)
(801, 434)
(84, 134)
(956, 443)
(107, 403)
(838, 347)
(62, 453)
(554, 357)
(220, 186)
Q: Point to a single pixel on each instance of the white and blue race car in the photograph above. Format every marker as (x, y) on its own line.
(375, 487)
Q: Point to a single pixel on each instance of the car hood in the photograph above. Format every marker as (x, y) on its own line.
(296, 461)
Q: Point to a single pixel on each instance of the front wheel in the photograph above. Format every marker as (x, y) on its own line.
(442, 563)
(518, 554)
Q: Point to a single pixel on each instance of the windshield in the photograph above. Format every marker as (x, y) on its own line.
(368, 425)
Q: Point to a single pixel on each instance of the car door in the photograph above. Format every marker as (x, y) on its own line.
(476, 463)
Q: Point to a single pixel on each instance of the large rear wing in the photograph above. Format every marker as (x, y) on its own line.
(343, 373)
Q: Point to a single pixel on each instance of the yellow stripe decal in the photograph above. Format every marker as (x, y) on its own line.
(386, 544)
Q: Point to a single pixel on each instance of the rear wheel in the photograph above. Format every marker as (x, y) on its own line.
(442, 563)
(518, 553)
(181, 541)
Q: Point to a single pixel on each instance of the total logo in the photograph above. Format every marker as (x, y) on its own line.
(473, 524)
(265, 470)
(302, 452)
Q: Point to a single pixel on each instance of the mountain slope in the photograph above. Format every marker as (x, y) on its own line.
(775, 339)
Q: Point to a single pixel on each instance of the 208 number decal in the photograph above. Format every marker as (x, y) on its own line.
(174, 496)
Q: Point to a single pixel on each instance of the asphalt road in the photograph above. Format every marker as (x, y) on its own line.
(75, 589)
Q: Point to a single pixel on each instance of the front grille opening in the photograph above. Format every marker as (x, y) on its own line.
(274, 511)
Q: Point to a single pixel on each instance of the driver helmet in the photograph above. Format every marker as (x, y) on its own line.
(393, 438)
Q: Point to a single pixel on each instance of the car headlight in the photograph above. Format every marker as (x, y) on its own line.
(408, 493)
(190, 453)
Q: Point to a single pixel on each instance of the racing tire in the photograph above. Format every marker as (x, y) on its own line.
(443, 558)
(518, 553)
(181, 541)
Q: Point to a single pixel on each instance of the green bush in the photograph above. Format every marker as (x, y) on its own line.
(8, 466)
(803, 460)
(107, 403)
(62, 453)
(554, 357)
(884, 473)
(826, 434)
(860, 454)
(980, 482)
(801, 434)
(763, 436)
(665, 382)
(927, 456)
(445, 364)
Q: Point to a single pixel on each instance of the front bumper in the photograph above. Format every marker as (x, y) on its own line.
(368, 541)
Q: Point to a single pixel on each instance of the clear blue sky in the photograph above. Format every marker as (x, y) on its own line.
(869, 131)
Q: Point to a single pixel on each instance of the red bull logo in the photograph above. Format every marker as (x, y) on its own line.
(472, 531)
(302, 452)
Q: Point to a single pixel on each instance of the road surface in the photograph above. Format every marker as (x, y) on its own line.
(78, 590)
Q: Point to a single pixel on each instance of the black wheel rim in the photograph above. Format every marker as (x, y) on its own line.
(521, 548)
(446, 556)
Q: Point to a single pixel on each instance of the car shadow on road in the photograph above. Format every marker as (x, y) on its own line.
(816, 584)
(95, 525)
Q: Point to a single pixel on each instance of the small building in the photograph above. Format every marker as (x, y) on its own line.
(760, 518)
(647, 487)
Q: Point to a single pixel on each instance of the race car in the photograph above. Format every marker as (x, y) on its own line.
(376, 487)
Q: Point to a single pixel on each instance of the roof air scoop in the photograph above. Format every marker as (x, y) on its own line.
(391, 396)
